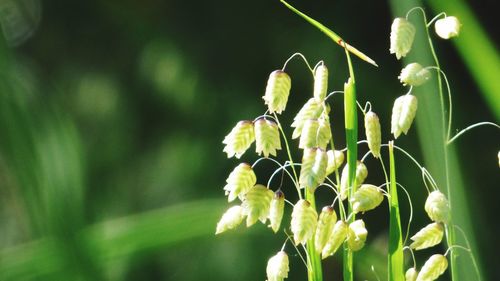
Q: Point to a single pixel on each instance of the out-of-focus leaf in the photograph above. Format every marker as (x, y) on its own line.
(116, 239)
(19, 19)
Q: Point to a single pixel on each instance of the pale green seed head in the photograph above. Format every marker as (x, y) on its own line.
(414, 75)
(411, 274)
(337, 237)
(267, 137)
(429, 236)
(276, 210)
(312, 109)
(335, 160)
(402, 36)
(304, 222)
(230, 219)
(278, 267)
(367, 197)
(240, 181)
(373, 133)
(433, 268)
(403, 113)
(316, 133)
(308, 138)
(448, 27)
(326, 221)
(239, 139)
(277, 91)
(256, 204)
(361, 174)
(356, 236)
(320, 82)
(437, 207)
(313, 168)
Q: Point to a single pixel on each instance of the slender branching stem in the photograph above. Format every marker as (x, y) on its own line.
(289, 153)
(472, 127)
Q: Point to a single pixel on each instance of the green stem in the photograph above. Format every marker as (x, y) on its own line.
(396, 259)
(314, 271)
(289, 155)
(351, 127)
(450, 237)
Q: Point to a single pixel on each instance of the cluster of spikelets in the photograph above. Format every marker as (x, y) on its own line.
(312, 129)
(414, 74)
(438, 210)
(403, 113)
(311, 126)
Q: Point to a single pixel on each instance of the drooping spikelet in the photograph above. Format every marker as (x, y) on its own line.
(316, 133)
(402, 35)
(448, 27)
(313, 169)
(327, 219)
(309, 135)
(433, 268)
(320, 82)
(373, 133)
(276, 210)
(361, 174)
(324, 131)
(437, 207)
(267, 137)
(335, 160)
(257, 203)
(239, 139)
(277, 267)
(428, 236)
(277, 91)
(414, 75)
(403, 113)
(304, 221)
(356, 236)
(366, 198)
(312, 109)
(411, 274)
(230, 219)
(239, 182)
(338, 236)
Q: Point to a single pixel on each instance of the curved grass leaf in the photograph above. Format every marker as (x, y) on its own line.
(116, 239)
(396, 258)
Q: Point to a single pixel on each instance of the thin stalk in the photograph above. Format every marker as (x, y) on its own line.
(450, 237)
(396, 258)
(351, 127)
(289, 154)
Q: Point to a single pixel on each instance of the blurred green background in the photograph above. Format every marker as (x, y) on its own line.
(112, 115)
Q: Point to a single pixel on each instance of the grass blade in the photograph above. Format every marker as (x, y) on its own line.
(396, 258)
(334, 36)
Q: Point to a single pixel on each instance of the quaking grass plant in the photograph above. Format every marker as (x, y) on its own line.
(318, 233)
